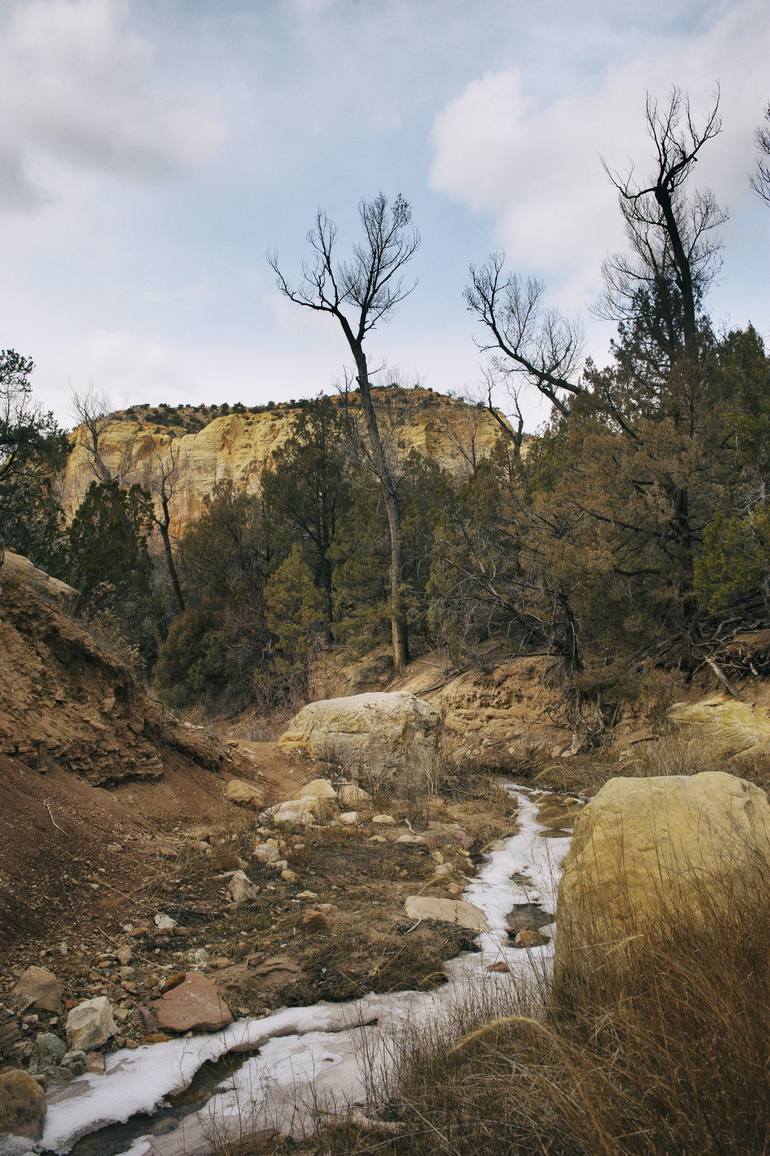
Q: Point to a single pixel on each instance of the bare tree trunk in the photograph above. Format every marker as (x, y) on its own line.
(163, 525)
(398, 627)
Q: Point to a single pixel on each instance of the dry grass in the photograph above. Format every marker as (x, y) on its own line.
(658, 1045)
(673, 753)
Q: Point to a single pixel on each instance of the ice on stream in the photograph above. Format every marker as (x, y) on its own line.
(310, 1057)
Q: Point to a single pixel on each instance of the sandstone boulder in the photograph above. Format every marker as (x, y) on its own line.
(195, 1004)
(38, 988)
(351, 795)
(90, 1024)
(22, 1105)
(244, 793)
(379, 737)
(318, 789)
(723, 726)
(645, 845)
(294, 811)
(456, 911)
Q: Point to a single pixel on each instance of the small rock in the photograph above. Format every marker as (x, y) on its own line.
(95, 1063)
(164, 922)
(384, 820)
(348, 818)
(292, 811)
(274, 973)
(22, 1104)
(376, 839)
(240, 889)
(307, 895)
(90, 1024)
(458, 912)
(38, 988)
(528, 937)
(500, 966)
(170, 981)
(124, 954)
(288, 875)
(442, 871)
(75, 1061)
(47, 1051)
(244, 793)
(315, 920)
(415, 840)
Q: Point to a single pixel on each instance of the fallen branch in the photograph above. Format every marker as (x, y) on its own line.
(50, 815)
(710, 662)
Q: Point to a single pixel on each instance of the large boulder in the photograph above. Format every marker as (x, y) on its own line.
(723, 726)
(651, 848)
(196, 1004)
(376, 737)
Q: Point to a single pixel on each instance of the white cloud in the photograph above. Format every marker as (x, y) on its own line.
(534, 166)
(80, 88)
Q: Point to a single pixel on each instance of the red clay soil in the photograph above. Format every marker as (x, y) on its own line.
(94, 775)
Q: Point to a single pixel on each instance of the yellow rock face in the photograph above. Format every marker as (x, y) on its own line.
(238, 446)
(645, 847)
(724, 726)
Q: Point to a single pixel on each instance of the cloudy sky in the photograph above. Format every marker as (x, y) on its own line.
(152, 150)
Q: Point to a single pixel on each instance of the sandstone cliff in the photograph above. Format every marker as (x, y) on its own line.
(236, 445)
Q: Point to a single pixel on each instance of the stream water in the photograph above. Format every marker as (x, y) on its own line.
(181, 1097)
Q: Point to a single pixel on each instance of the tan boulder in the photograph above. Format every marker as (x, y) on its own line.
(351, 795)
(723, 726)
(646, 846)
(381, 736)
(244, 793)
(456, 911)
(294, 811)
(318, 789)
(90, 1024)
(39, 988)
(195, 1004)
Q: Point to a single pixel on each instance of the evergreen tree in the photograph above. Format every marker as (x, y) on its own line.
(33, 449)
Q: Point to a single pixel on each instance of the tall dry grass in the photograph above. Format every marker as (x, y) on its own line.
(658, 1045)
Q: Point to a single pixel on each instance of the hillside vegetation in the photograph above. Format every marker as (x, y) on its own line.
(233, 545)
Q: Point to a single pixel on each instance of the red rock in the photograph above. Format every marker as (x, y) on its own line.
(500, 966)
(315, 920)
(196, 1004)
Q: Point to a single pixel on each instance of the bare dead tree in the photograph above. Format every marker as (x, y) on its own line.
(760, 178)
(511, 427)
(162, 480)
(535, 344)
(359, 292)
(673, 233)
(93, 413)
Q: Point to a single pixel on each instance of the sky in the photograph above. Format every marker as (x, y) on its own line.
(152, 151)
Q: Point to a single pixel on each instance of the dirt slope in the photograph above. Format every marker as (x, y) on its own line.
(92, 770)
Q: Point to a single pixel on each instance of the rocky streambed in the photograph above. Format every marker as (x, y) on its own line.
(285, 1067)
